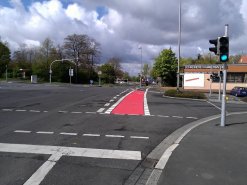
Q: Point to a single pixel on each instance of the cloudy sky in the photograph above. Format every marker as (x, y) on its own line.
(122, 26)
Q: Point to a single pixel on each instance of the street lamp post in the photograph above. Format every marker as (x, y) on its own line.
(140, 47)
(179, 43)
(6, 73)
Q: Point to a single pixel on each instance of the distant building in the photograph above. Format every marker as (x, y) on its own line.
(243, 59)
(198, 76)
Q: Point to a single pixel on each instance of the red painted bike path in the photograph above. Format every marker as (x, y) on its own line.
(131, 104)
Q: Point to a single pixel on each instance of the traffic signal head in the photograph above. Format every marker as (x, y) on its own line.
(216, 48)
(224, 49)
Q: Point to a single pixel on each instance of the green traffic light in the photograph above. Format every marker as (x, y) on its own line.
(223, 58)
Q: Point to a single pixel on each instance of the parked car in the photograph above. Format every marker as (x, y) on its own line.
(239, 91)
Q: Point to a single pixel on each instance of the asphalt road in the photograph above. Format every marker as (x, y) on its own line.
(61, 134)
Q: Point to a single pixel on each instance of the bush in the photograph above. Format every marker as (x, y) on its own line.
(185, 94)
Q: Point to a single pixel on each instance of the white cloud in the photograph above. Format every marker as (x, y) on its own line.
(128, 23)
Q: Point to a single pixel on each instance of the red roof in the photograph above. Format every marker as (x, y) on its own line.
(243, 59)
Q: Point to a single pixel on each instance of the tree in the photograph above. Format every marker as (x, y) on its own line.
(4, 57)
(108, 73)
(165, 66)
(80, 48)
(115, 63)
(146, 70)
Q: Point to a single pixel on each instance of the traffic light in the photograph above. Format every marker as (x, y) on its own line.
(224, 48)
(216, 44)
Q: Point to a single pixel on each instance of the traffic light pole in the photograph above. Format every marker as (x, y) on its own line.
(223, 105)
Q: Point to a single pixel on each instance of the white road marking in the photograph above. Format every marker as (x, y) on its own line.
(192, 117)
(43, 132)
(40, 174)
(118, 136)
(69, 134)
(7, 109)
(62, 111)
(107, 104)
(100, 110)
(92, 135)
(177, 117)
(116, 104)
(111, 101)
(57, 152)
(22, 131)
(146, 109)
(19, 110)
(90, 112)
(163, 116)
(214, 105)
(138, 137)
(76, 112)
(45, 111)
(34, 111)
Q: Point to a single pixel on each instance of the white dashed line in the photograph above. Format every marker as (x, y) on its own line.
(91, 135)
(69, 134)
(43, 132)
(177, 117)
(191, 117)
(107, 104)
(22, 131)
(7, 110)
(62, 111)
(100, 110)
(111, 101)
(90, 112)
(76, 112)
(19, 110)
(146, 109)
(138, 137)
(163, 116)
(119, 136)
(34, 111)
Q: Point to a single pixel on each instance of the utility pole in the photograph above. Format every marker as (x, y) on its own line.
(223, 105)
(179, 43)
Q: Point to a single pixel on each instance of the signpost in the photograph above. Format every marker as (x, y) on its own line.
(99, 73)
(71, 73)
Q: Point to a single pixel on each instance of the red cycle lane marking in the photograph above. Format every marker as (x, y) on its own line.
(131, 104)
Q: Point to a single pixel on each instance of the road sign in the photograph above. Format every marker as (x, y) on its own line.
(71, 72)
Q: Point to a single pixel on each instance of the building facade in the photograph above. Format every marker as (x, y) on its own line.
(208, 76)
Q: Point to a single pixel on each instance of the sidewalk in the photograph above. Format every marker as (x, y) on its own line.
(210, 155)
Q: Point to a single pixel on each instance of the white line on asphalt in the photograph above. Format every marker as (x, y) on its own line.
(69, 134)
(62, 111)
(40, 174)
(115, 136)
(92, 135)
(22, 131)
(7, 109)
(45, 111)
(34, 111)
(19, 110)
(76, 112)
(163, 116)
(192, 117)
(107, 104)
(116, 104)
(177, 117)
(146, 109)
(43, 132)
(57, 152)
(90, 112)
(214, 105)
(100, 110)
(111, 101)
(115, 97)
(138, 137)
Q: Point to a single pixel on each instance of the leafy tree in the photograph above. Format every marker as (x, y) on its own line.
(108, 73)
(115, 63)
(146, 70)
(4, 57)
(165, 66)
